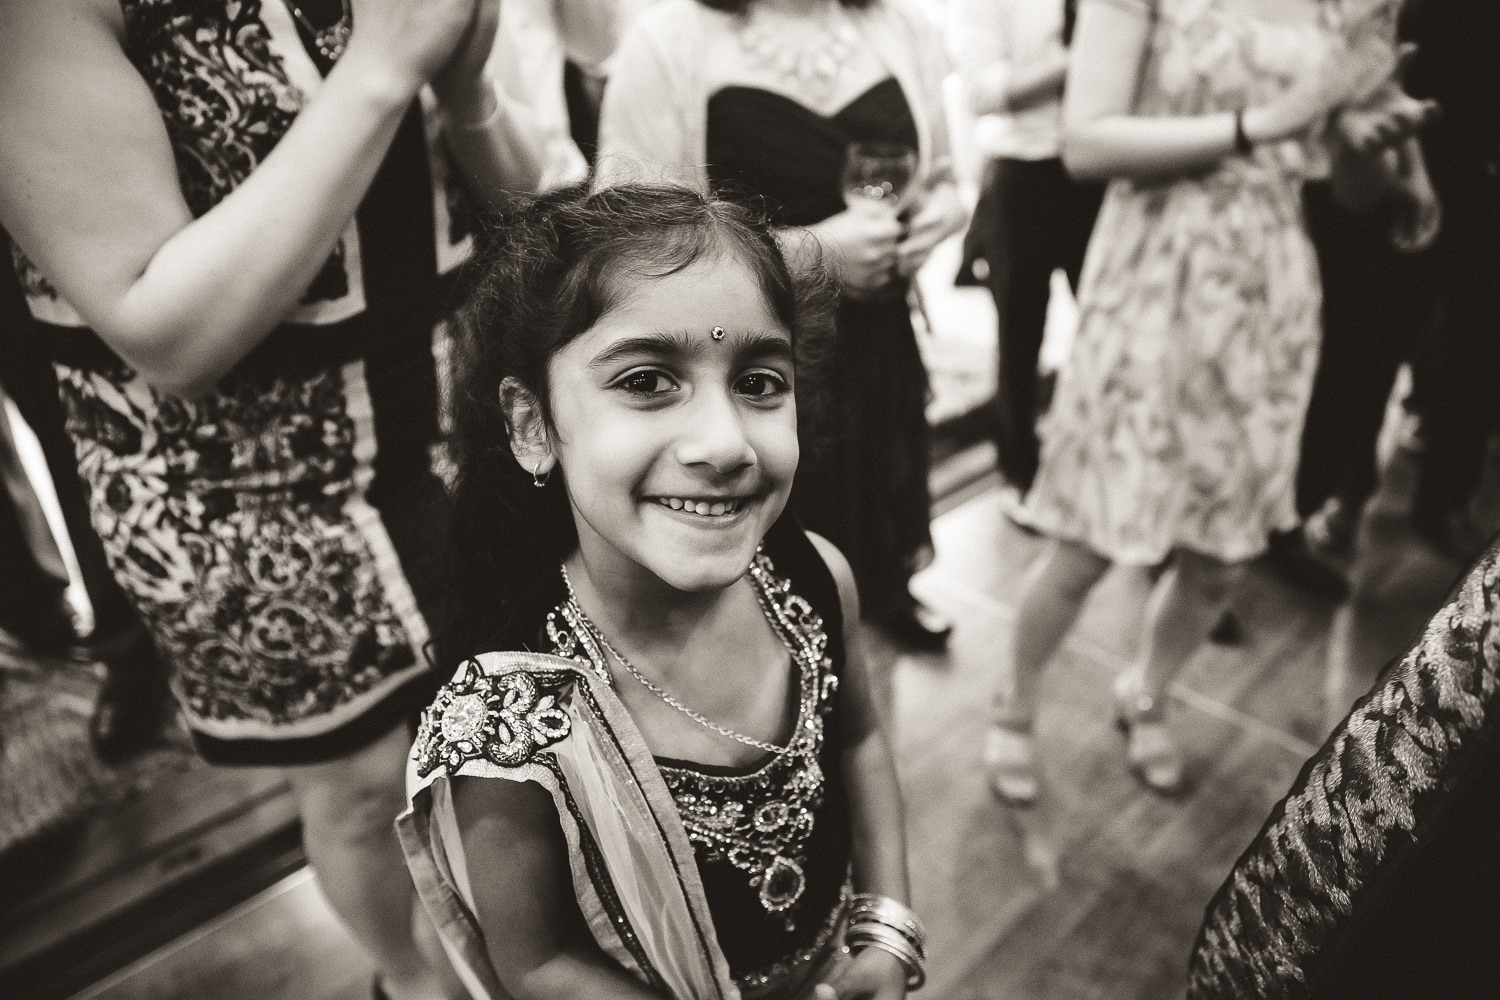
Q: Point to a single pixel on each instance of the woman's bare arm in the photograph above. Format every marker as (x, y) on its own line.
(89, 187)
(1103, 137)
(535, 934)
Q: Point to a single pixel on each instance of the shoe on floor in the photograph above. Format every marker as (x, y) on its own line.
(1290, 558)
(132, 702)
(1330, 532)
(1013, 506)
(1151, 752)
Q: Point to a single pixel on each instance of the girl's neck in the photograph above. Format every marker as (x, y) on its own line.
(640, 606)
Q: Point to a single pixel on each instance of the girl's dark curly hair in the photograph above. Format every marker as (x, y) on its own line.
(543, 273)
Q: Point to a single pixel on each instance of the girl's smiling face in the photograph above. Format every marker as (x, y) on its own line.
(677, 448)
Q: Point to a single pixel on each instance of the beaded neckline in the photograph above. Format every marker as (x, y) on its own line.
(760, 821)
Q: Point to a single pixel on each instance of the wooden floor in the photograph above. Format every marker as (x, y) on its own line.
(1095, 892)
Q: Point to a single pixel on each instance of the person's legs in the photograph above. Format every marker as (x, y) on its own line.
(1460, 409)
(348, 809)
(133, 700)
(1186, 603)
(1373, 311)
(1056, 588)
(1020, 275)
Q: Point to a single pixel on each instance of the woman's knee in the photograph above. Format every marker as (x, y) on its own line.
(1073, 569)
(353, 798)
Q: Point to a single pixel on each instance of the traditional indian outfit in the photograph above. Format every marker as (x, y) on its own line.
(701, 881)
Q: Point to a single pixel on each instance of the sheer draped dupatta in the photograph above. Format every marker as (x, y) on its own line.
(532, 717)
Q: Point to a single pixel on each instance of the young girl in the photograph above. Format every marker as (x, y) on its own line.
(696, 798)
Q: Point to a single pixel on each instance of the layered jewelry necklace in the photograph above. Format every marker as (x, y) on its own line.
(810, 65)
(758, 822)
(586, 623)
(329, 41)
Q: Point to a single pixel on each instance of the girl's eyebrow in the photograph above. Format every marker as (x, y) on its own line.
(684, 343)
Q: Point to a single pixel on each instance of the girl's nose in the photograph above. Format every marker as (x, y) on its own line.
(714, 434)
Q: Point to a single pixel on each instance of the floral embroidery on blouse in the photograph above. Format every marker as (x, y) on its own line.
(505, 719)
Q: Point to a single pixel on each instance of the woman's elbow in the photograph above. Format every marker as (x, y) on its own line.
(1081, 158)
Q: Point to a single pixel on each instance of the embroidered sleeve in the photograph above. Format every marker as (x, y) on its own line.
(505, 719)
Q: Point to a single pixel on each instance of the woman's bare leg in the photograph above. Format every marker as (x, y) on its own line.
(1183, 608)
(1056, 589)
(1185, 605)
(348, 809)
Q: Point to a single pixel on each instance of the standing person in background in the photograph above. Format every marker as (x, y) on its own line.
(763, 98)
(130, 707)
(1173, 433)
(1378, 301)
(1457, 64)
(231, 221)
(539, 45)
(1032, 218)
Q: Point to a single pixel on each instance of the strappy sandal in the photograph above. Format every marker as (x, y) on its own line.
(1151, 752)
(1010, 761)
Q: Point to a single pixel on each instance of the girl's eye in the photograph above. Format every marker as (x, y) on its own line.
(762, 384)
(647, 383)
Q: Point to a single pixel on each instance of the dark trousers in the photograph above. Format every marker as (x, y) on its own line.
(1031, 219)
(1461, 371)
(28, 378)
(1377, 302)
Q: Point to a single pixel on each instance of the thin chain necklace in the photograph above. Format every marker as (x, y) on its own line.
(330, 41)
(646, 682)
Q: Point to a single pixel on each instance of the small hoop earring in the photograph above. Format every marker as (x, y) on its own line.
(538, 477)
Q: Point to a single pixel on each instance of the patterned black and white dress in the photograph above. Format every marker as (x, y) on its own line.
(274, 532)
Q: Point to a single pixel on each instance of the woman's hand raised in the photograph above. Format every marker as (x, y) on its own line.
(1341, 77)
(411, 41)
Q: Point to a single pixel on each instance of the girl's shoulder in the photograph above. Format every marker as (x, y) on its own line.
(813, 569)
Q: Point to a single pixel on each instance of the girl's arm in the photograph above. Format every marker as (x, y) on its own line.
(1103, 138)
(534, 933)
(89, 186)
(874, 797)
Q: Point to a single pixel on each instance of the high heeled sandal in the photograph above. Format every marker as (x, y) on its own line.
(1151, 752)
(1010, 761)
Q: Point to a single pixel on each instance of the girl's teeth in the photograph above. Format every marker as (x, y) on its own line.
(700, 507)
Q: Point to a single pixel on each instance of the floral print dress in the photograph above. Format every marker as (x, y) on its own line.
(275, 533)
(1176, 421)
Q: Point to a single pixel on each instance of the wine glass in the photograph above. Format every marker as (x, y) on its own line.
(878, 173)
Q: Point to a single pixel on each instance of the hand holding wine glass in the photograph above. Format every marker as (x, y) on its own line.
(878, 173)
(864, 237)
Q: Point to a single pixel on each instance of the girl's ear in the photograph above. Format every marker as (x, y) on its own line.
(529, 441)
